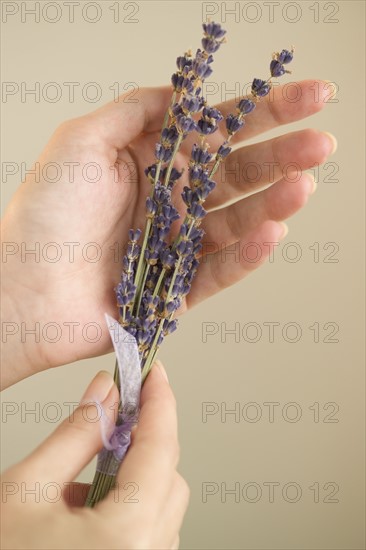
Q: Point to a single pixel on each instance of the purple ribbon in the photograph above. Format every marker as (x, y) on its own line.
(128, 361)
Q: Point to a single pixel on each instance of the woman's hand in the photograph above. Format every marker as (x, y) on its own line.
(88, 188)
(42, 508)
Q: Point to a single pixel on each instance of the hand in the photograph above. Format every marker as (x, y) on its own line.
(144, 511)
(62, 291)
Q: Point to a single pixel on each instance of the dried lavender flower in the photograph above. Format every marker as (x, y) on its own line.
(158, 272)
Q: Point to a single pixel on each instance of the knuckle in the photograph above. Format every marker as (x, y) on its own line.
(75, 129)
(67, 127)
(183, 488)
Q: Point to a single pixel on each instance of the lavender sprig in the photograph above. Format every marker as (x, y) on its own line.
(158, 272)
(164, 272)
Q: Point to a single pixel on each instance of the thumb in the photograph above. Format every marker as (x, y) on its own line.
(62, 456)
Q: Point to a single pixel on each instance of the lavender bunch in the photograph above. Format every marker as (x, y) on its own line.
(158, 274)
(158, 270)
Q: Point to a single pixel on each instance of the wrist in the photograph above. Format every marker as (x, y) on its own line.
(20, 344)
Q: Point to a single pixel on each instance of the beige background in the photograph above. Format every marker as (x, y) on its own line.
(304, 452)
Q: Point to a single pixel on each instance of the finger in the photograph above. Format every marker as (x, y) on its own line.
(175, 509)
(286, 103)
(233, 223)
(255, 166)
(74, 493)
(151, 460)
(231, 264)
(175, 545)
(119, 122)
(74, 443)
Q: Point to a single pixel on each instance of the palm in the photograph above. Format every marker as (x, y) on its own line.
(95, 217)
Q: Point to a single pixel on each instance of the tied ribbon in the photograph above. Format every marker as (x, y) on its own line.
(129, 367)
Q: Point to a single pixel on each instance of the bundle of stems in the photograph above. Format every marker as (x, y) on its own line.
(159, 267)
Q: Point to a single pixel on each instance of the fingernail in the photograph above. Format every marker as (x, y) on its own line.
(99, 388)
(159, 364)
(284, 230)
(329, 90)
(333, 141)
(313, 184)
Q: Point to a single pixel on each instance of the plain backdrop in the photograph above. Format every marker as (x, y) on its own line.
(298, 472)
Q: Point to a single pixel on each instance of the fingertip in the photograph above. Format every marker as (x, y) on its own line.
(156, 387)
(283, 230)
(157, 372)
(312, 184)
(333, 142)
(160, 367)
(99, 388)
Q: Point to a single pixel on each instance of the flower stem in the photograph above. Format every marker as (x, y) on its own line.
(158, 284)
(167, 114)
(151, 354)
(171, 163)
(102, 482)
(141, 288)
(140, 264)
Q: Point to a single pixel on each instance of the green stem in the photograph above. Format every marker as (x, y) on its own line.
(158, 168)
(151, 354)
(153, 349)
(141, 288)
(116, 375)
(215, 167)
(102, 483)
(174, 276)
(142, 253)
(166, 117)
(158, 284)
(171, 163)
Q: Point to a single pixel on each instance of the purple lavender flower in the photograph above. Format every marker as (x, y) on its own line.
(150, 172)
(202, 192)
(184, 61)
(246, 106)
(187, 196)
(197, 175)
(260, 87)
(170, 326)
(151, 207)
(201, 65)
(169, 136)
(181, 83)
(211, 113)
(233, 124)
(134, 235)
(213, 30)
(207, 125)
(185, 124)
(279, 60)
(200, 156)
(213, 37)
(191, 104)
(164, 154)
(196, 211)
(167, 258)
(223, 151)
(158, 269)
(206, 128)
(285, 56)
(276, 68)
(162, 194)
(125, 291)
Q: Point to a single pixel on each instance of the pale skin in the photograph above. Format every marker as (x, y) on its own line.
(145, 510)
(75, 292)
